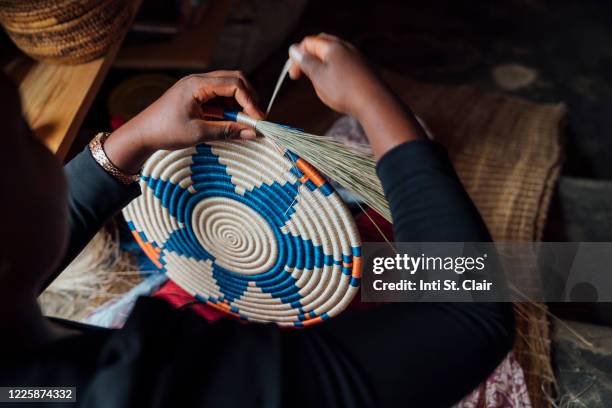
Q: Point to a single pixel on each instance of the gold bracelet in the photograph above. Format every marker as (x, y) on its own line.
(96, 147)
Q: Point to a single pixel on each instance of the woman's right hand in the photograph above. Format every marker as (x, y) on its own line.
(340, 76)
(345, 83)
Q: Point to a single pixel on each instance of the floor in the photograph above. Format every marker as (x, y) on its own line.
(583, 365)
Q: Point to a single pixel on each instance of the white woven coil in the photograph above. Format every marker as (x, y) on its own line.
(248, 229)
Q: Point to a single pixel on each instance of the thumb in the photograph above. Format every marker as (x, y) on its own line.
(222, 130)
(307, 63)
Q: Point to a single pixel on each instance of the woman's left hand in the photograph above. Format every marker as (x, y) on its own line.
(176, 120)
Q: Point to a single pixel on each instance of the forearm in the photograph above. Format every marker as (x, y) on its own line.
(426, 354)
(94, 197)
(127, 149)
(426, 198)
(386, 120)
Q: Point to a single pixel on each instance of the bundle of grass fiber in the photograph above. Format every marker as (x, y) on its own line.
(352, 168)
(250, 229)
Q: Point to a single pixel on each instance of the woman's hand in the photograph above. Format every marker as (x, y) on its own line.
(339, 74)
(176, 120)
(345, 83)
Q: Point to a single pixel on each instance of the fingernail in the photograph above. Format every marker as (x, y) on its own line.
(296, 54)
(247, 134)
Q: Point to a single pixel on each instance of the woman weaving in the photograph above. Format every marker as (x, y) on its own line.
(410, 354)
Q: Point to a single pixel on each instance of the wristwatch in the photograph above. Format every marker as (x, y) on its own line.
(96, 147)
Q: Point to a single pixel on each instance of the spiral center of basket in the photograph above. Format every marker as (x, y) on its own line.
(237, 236)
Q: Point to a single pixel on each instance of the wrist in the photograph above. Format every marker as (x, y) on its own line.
(368, 89)
(371, 102)
(368, 92)
(127, 150)
(96, 147)
(387, 121)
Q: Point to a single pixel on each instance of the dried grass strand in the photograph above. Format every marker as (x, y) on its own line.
(353, 169)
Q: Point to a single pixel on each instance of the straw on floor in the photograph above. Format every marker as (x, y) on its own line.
(100, 273)
(249, 229)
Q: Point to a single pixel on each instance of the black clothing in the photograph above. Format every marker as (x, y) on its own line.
(411, 354)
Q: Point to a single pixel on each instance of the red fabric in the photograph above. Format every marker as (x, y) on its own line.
(177, 297)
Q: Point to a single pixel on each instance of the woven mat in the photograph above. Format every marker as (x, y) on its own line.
(508, 155)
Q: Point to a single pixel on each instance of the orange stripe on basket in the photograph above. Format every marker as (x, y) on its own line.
(149, 250)
(219, 305)
(312, 321)
(310, 172)
(356, 267)
(223, 307)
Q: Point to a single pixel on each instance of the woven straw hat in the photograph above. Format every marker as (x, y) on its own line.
(250, 230)
(64, 31)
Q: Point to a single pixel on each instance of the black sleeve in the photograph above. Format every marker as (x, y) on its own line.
(427, 201)
(93, 197)
(406, 354)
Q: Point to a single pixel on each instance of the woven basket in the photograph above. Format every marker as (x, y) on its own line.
(65, 31)
(250, 230)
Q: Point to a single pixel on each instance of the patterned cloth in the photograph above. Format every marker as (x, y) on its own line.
(505, 388)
